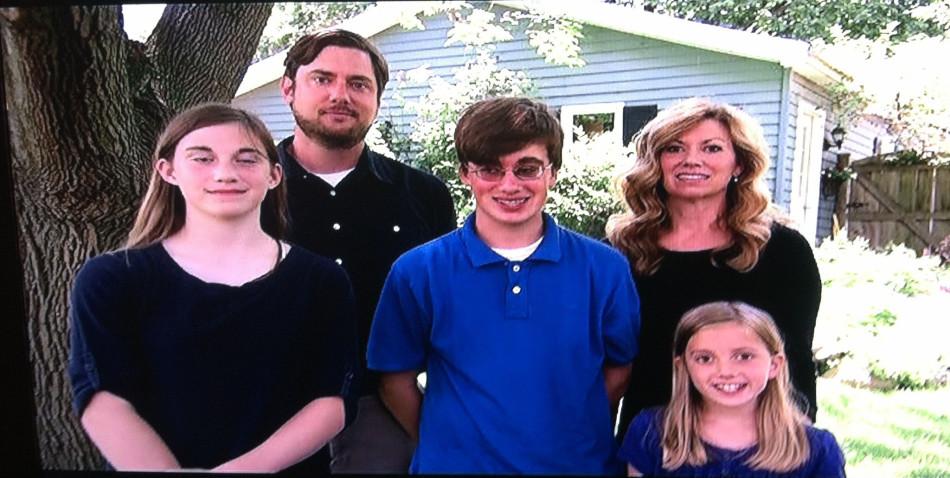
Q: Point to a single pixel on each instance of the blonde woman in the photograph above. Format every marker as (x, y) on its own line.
(209, 343)
(731, 413)
(700, 228)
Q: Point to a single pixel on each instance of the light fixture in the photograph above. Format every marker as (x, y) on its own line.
(837, 135)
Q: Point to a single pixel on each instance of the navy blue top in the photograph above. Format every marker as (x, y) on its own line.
(641, 449)
(214, 369)
(514, 351)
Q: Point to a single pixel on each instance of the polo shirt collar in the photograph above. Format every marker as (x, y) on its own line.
(480, 254)
(368, 162)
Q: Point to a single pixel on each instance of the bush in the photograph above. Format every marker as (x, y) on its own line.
(881, 322)
(584, 195)
(851, 263)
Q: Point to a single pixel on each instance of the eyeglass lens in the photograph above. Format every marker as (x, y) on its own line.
(521, 171)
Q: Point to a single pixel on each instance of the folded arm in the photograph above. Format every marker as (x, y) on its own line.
(123, 436)
(301, 436)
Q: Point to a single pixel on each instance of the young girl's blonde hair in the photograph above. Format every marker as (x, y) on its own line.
(780, 424)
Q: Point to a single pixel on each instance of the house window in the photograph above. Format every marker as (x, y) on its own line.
(594, 119)
(614, 119)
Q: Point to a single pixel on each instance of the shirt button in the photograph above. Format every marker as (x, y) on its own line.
(333, 192)
(516, 289)
(516, 268)
(396, 228)
(336, 226)
(339, 261)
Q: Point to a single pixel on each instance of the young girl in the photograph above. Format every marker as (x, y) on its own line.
(207, 342)
(731, 413)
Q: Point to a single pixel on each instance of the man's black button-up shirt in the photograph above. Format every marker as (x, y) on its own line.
(380, 210)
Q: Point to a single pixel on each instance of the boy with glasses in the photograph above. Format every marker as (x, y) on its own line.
(526, 330)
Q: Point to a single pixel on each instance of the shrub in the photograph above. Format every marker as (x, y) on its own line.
(881, 321)
(584, 195)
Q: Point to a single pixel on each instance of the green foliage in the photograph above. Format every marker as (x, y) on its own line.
(848, 102)
(581, 199)
(851, 263)
(921, 124)
(878, 321)
(289, 21)
(555, 38)
(584, 196)
(881, 318)
(890, 21)
(839, 175)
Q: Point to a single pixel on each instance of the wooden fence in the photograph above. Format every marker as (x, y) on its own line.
(900, 204)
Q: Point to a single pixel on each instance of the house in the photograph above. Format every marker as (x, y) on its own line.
(636, 63)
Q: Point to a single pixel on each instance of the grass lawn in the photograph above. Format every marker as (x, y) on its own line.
(894, 434)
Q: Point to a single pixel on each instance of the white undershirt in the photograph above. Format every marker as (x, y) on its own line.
(334, 178)
(519, 253)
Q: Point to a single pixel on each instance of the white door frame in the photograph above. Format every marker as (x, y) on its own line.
(806, 168)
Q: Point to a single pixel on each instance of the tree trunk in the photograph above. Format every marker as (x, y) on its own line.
(85, 105)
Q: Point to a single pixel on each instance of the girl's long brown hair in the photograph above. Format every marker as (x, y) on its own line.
(162, 212)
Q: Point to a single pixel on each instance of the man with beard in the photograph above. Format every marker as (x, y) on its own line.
(354, 206)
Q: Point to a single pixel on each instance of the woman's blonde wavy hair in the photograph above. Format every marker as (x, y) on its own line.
(749, 214)
(780, 424)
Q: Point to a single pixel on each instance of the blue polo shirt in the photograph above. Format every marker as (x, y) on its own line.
(514, 351)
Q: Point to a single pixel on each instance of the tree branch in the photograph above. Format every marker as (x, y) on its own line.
(195, 49)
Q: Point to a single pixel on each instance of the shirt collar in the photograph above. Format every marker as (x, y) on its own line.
(369, 161)
(480, 254)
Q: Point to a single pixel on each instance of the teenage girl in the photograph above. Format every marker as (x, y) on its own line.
(731, 412)
(208, 343)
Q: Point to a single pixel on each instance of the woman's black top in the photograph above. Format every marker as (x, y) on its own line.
(785, 283)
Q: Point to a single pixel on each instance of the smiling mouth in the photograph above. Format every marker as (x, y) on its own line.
(692, 177)
(729, 387)
(512, 203)
(227, 191)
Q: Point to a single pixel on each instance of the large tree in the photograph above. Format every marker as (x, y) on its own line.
(85, 105)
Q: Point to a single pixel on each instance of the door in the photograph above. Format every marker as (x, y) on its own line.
(806, 169)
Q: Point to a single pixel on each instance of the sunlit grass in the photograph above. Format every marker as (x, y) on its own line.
(894, 434)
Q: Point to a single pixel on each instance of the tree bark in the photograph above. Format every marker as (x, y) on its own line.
(85, 105)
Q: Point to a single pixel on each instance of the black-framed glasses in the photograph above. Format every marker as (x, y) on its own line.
(524, 172)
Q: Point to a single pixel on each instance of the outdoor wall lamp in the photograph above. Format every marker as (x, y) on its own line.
(837, 135)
